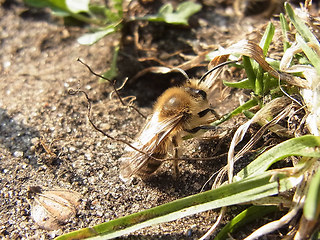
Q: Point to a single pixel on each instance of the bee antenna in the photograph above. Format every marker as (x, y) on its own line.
(215, 68)
(182, 72)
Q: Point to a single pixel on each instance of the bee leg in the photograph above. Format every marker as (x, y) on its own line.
(176, 156)
(196, 129)
(204, 112)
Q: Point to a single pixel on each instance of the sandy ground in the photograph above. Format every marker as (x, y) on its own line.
(38, 65)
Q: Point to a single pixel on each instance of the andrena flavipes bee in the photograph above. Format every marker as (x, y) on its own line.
(179, 111)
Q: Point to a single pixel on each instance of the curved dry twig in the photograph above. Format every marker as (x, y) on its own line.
(114, 88)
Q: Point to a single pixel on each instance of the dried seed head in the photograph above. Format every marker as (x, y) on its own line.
(51, 208)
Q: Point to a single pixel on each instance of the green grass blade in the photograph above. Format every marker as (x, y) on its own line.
(307, 146)
(168, 15)
(305, 36)
(38, 3)
(310, 53)
(249, 215)
(311, 207)
(244, 84)
(112, 72)
(265, 42)
(267, 38)
(301, 27)
(65, 8)
(269, 83)
(259, 86)
(183, 12)
(249, 104)
(285, 29)
(77, 6)
(249, 71)
(248, 189)
(91, 38)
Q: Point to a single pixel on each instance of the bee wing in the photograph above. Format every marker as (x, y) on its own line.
(152, 135)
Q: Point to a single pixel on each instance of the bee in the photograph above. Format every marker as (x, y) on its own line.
(179, 111)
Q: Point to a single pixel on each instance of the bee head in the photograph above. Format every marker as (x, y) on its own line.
(196, 90)
(196, 93)
(185, 99)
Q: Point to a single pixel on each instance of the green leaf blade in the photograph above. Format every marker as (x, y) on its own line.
(76, 6)
(244, 84)
(285, 31)
(310, 53)
(307, 146)
(267, 38)
(91, 38)
(249, 215)
(238, 192)
(311, 208)
(38, 3)
(184, 11)
(112, 72)
(301, 27)
(249, 71)
(178, 17)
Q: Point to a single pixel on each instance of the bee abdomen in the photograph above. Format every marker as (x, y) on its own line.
(127, 170)
(150, 167)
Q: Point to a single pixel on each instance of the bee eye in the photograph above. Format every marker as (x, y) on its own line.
(196, 93)
(202, 93)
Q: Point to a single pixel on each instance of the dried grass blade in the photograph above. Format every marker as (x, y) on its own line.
(272, 226)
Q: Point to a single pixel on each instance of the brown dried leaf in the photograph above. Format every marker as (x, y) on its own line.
(253, 50)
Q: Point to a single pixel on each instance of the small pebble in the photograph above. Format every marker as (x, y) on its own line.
(88, 156)
(18, 154)
(6, 64)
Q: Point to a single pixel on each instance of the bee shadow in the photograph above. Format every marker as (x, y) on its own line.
(189, 182)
